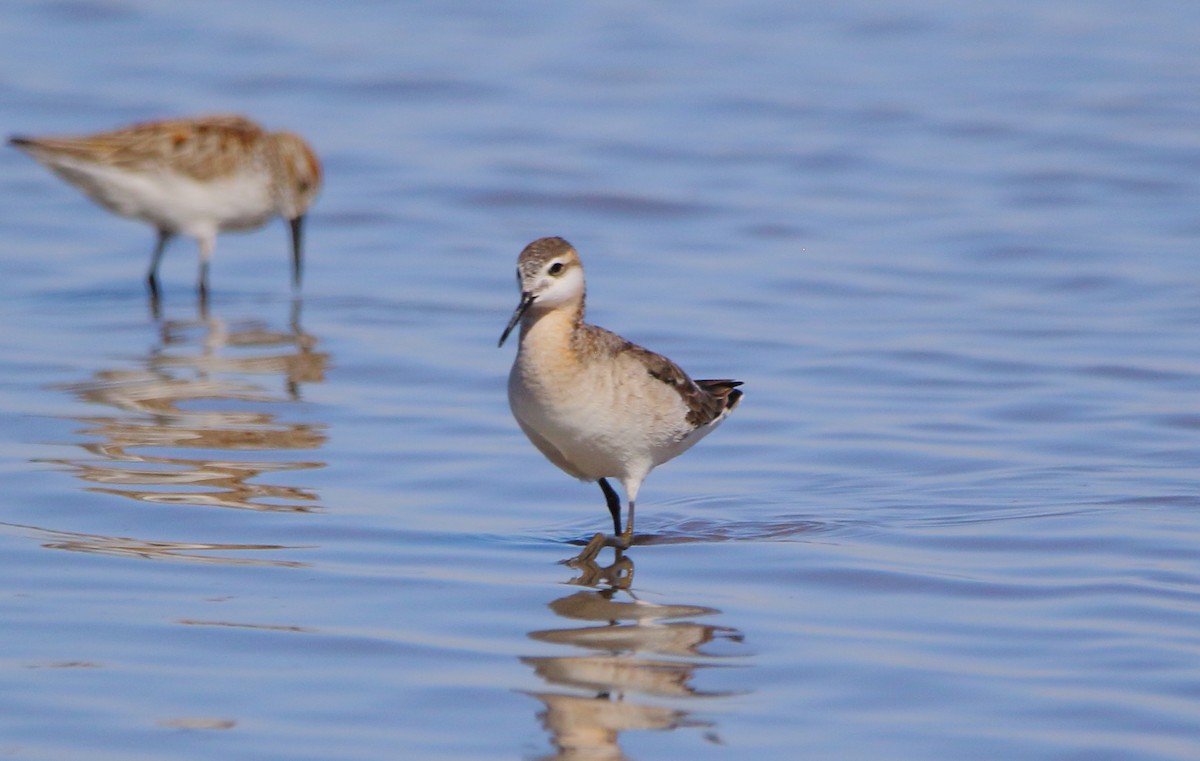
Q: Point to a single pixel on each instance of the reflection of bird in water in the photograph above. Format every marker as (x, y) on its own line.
(588, 725)
(617, 674)
(589, 729)
(198, 177)
(594, 404)
(653, 630)
(198, 391)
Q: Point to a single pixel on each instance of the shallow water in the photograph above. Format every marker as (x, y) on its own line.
(951, 251)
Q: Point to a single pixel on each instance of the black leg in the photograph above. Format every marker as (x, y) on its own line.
(297, 226)
(202, 290)
(614, 504)
(164, 237)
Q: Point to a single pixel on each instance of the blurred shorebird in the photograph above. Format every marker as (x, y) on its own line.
(197, 177)
(594, 404)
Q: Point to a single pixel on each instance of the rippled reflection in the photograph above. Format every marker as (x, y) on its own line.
(186, 415)
(636, 649)
(155, 549)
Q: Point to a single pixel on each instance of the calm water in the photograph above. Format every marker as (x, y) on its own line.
(950, 248)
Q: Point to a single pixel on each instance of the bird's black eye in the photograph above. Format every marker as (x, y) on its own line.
(556, 268)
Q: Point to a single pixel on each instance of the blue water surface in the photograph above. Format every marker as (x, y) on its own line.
(951, 249)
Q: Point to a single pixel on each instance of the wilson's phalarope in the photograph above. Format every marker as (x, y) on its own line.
(594, 404)
(195, 177)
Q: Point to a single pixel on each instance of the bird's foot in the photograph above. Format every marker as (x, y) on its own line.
(620, 543)
(619, 574)
(587, 556)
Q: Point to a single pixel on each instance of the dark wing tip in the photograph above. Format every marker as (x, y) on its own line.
(719, 386)
(20, 141)
(724, 389)
(734, 397)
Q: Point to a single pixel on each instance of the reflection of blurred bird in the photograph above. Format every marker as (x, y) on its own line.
(195, 425)
(593, 403)
(195, 177)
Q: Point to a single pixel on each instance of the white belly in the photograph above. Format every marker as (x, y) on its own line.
(174, 202)
(595, 426)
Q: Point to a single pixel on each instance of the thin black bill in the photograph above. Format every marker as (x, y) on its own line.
(526, 300)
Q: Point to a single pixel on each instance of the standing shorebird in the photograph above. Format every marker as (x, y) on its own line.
(195, 177)
(594, 404)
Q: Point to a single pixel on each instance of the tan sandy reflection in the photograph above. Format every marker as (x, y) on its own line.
(595, 696)
(156, 549)
(192, 413)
